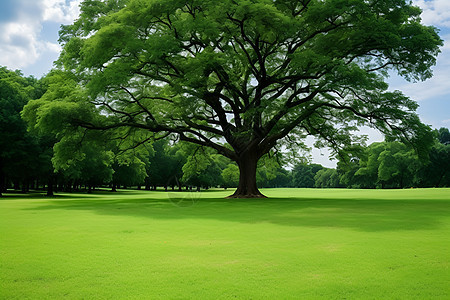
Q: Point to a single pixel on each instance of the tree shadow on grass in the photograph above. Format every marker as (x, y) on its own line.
(37, 195)
(359, 214)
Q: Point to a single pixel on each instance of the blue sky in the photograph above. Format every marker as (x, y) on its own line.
(29, 34)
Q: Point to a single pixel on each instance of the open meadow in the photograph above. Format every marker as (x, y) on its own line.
(297, 244)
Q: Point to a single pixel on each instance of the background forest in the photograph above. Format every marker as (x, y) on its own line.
(32, 159)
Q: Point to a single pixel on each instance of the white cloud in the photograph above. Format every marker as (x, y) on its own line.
(435, 12)
(18, 44)
(20, 41)
(50, 47)
(59, 11)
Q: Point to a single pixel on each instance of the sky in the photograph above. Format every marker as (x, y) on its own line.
(29, 42)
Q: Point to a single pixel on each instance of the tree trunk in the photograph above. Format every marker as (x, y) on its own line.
(2, 183)
(247, 177)
(50, 186)
(439, 180)
(25, 186)
(55, 183)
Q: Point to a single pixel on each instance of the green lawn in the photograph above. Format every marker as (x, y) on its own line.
(298, 244)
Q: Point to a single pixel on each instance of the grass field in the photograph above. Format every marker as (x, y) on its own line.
(298, 244)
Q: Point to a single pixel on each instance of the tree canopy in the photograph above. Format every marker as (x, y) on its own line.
(244, 76)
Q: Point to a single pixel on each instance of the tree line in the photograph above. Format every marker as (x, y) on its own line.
(36, 159)
(387, 164)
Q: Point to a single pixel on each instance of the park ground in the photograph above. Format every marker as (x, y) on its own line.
(297, 244)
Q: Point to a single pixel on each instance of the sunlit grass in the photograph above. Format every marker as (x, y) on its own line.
(299, 244)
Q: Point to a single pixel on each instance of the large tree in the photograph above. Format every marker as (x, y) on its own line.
(245, 76)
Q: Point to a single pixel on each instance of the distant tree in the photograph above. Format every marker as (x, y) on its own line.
(230, 176)
(130, 163)
(20, 151)
(46, 171)
(327, 178)
(242, 77)
(303, 175)
(202, 168)
(397, 165)
(444, 136)
(367, 174)
(282, 178)
(165, 165)
(267, 169)
(128, 173)
(440, 158)
(84, 160)
(435, 172)
(382, 165)
(347, 168)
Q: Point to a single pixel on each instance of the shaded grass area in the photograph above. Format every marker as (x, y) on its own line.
(299, 243)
